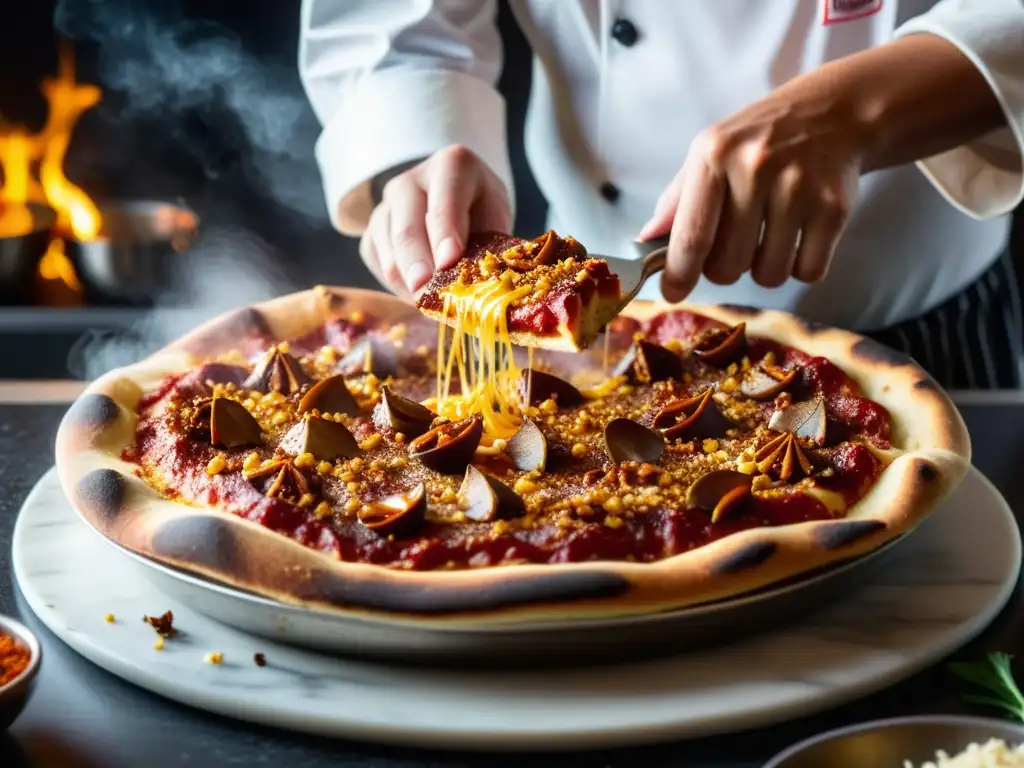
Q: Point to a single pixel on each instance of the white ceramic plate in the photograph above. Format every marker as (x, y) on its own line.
(945, 583)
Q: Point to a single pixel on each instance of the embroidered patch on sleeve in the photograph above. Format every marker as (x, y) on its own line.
(836, 11)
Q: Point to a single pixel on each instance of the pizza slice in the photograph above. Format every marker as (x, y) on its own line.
(544, 293)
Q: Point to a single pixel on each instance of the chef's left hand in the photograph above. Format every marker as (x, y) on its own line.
(788, 164)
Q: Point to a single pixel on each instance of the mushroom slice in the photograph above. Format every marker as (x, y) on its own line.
(326, 440)
(281, 479)
(720, 348)
(646, 362)
(783, 457)
(540, 251)
(764, 383)
(225, 423)
(806, 419)
(483, 498)
(448, 448)
(278, 371)
(330, 395)
(626, 440)
(399, 515)
(537, 386)
(692, 418)
(395, 413)
(372, 355)
(719, 492)
(528, 448)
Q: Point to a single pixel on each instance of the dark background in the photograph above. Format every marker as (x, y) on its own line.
(203, 101)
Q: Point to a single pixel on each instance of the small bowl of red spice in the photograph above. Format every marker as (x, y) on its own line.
(19, 662)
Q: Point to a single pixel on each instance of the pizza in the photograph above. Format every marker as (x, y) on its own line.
(546, 292)
(336, 449)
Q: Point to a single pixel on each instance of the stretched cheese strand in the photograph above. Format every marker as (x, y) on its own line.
(481, 353)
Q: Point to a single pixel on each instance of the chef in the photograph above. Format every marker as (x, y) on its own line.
(851, 161)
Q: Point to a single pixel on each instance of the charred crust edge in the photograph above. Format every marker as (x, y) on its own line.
(844, 532)
(440, 599)
(811, 327)
(333, 300)
(102, 492)
(926, 384)
(199, 539)
(744, 558)
(876, 352)
(742, 309)
(93, 411)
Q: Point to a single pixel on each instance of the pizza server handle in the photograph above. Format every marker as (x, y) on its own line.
(633, 273)
(653, 254)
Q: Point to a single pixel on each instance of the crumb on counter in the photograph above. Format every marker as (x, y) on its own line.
(159, 644)
(110, 618)
(213, 657)
(259, 660)
(164, 625)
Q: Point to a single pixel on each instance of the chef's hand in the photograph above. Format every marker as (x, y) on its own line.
(426, 215)
(789, 166)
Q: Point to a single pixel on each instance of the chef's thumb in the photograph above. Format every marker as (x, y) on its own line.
(660, 223)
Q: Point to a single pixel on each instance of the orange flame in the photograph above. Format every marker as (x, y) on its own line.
(77, 215)
(15, 218)
(76, 212)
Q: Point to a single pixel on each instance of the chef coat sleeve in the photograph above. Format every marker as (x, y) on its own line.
(395, 81)
(984, 177)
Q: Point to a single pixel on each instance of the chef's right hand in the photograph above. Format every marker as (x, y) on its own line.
(426, 214)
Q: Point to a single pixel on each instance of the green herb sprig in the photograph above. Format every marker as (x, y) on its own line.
(995, 675)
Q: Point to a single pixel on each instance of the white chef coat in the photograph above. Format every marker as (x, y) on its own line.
(395, 80)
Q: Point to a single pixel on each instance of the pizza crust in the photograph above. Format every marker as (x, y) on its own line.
(229, 549)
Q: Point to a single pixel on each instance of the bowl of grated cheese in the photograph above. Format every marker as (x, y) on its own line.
(940, 741)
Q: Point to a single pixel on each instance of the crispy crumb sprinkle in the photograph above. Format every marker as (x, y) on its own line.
(214, 657)
(579, 493)
(109, 618)
(164, 625)
(371, 442)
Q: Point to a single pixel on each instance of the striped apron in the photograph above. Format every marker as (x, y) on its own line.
(974, 340)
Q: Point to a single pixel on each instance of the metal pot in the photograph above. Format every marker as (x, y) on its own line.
(141, 248)
(20, 255)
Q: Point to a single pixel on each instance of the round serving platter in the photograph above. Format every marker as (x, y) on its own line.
(540, 642)
(943, 584)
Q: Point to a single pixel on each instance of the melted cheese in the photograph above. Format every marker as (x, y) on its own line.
(481, 353)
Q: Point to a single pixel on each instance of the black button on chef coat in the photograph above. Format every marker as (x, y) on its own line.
(625, 32)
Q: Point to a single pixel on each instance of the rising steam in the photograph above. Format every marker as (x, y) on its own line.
(236, 271)
(165, 65)
(162, 66)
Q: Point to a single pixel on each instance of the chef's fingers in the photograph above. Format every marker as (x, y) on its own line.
(390, 276)
(739, 231)
(375, 247)
(413, 263)
(491, 211)
(819, 238)
(454, 177)
(786, 210)
(368, 253)
(661, 220)
(694, 227)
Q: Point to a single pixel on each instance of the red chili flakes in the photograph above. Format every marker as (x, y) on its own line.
(164, 625)
(14, 658)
